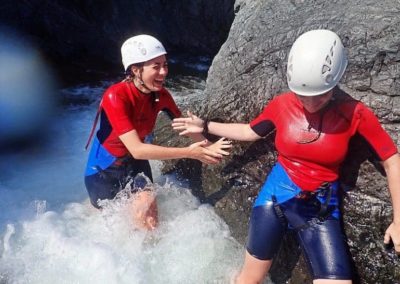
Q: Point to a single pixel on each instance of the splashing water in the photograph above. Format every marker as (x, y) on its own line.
(81, 244)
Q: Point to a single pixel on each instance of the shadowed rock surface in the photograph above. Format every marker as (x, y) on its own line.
(86, 36)
(250, 69)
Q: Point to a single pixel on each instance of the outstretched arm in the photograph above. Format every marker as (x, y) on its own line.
(193, 124)
(140, 150)
(392, 169)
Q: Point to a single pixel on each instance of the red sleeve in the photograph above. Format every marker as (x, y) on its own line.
(265, 122)
(168, 104)
(371, 129)
(119, 109)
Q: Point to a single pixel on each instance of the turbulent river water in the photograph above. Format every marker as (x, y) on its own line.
(49, 233)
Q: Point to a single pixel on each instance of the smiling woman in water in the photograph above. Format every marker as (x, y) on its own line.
(122, 146)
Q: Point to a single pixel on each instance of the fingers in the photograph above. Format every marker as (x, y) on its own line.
(209, 160)
(386, 238)
(224, 143)
(222, 152)
(181, 120)
(221, 144)
(182, 133)
(212, 153)
(178, 126)
(392, 238)
(387, 241)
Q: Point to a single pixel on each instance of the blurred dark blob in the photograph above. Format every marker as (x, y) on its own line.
(28, 92)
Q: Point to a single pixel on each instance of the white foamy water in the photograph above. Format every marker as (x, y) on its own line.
(49, 233)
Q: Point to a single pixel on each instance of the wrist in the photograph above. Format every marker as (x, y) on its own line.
(188, 152)
(206, 122)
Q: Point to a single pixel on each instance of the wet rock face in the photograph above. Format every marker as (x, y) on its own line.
(250, 69)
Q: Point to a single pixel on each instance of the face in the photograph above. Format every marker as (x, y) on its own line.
(315, 103)
(153, 74)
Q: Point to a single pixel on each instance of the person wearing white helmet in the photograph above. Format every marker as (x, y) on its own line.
(128, 111)
(314, 122)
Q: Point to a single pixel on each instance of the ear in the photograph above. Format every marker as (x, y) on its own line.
(135, 70)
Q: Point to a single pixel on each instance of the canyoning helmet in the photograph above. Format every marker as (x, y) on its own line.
(316, 63)
(140, 48)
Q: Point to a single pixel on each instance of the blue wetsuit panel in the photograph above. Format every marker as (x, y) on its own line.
(279, 184)
(99, 158)
(106, 175)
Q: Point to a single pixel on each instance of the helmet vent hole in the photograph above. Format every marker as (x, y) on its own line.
(328, 60)
(333, 47)
(325, 69)
(329, 79)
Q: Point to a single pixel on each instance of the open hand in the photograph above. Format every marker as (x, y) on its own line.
(209, 154)
(393, 233)
(188, 125)
(220, 146)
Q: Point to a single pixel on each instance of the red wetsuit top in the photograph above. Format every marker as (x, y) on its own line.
(125, 108)
(310, 163)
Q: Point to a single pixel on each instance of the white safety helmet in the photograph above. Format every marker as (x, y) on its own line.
(140, 48)
(317, 61)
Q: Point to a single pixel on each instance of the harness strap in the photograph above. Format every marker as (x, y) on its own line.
(93, 127)
(325, 210)
(278, 211)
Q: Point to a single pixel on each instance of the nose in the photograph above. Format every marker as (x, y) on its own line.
(164, 70)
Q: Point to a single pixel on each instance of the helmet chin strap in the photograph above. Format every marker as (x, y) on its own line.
(141, 83)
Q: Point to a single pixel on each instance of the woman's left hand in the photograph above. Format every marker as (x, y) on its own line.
(393, 233)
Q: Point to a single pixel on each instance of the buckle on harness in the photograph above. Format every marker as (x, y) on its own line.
(306, 195)
(321, 191)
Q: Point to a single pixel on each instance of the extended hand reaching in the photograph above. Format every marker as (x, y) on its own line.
(219, 145)
(209, 154)
(188, 125)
